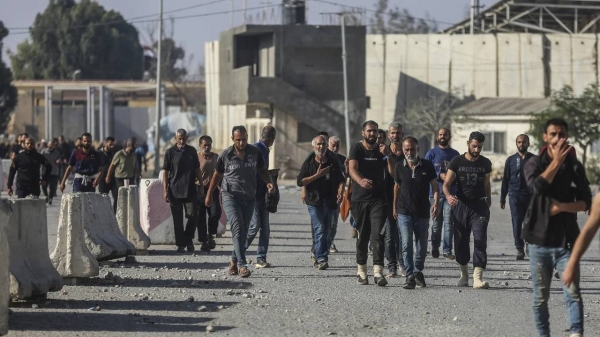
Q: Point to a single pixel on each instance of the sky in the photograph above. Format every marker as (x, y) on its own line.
(191, 33)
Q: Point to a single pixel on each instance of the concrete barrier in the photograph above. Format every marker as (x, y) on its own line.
(155, 213)
(32, 272)
(5, 171)
(4, 266)
(71, 256)
(102, 235)
(128, 217)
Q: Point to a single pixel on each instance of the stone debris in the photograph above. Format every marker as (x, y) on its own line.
(455, 319)
(246, 295)
(190, 299)
(96, 308)
(220, 307)
(202, 308)
(35, 306)
(210, 328)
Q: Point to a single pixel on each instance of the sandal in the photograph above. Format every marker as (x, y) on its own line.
(233, 269)
(244, 272)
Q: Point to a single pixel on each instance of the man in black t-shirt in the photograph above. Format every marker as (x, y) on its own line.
(181, 171)
(367, 163)
(413, 177)
(323, 179)
(470, 208)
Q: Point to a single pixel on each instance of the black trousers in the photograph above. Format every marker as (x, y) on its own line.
(51, 184)
(183, 237)
(24, 191)
(370, 219)
(214, 214)
(471, 217)
(111, 188)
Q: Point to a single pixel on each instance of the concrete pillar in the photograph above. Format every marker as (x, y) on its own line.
(4, 268)
(128, 216)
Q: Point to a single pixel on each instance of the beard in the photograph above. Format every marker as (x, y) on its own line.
(522, 149)
(371, 141)
(473, 154)
(206, 150)
(443, 142)
(412, 159)
(86, 146)
(319, 153)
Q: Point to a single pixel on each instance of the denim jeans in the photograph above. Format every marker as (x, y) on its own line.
(260, 222)
(335, 215)
(442, 223)
(411, 226)
(542, 261)
(320, 218)
(393, 244)
(239, 214)
(518, 209)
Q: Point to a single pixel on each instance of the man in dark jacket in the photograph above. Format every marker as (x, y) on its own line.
(515, 186)
(27, 164)
(322, 176)
(559, 189)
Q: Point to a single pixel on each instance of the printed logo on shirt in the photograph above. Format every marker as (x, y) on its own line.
(471, 169)
(250, 158)
(375, 159)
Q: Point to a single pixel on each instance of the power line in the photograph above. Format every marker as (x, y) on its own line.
(132, 21)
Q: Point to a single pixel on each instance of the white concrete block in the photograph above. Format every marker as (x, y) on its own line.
(532, 65)
(561, 62)
(463, 67)
(5, 171)
(71, 256)
(440, 58)
(485, 55)
(103, 237)
(584, 62)
(32, 272)
(4, 266)
(155, 213)
(128, 217)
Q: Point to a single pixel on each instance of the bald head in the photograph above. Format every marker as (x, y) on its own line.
(319, 144)
(268, 135)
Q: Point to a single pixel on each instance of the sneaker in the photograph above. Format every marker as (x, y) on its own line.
(181, 249)
(321, 265)
(362, 281)
(380, 280)
(556, 276)
(435, 253)
(191, 248)
(520, 254)
(402, 271)
(333, 249)
(205, 247)
(313, 259)
(50, 202)
(353, 233)
(410, 282)
(261, 263)
(420, 280)
(245, 272)
(449, 256)
(233, 269)
(392, 273)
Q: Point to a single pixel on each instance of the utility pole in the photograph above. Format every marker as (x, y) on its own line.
(158, 93)
(232, 15)
(344, 60)
(472, 15)
(245, 10)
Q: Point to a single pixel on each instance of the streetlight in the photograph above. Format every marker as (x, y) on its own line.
(344, 60)
(158, 94)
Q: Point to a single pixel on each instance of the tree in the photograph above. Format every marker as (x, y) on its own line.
(70, 36)
(582, 113)
(432, 114)
(399, 21)
(8, 92)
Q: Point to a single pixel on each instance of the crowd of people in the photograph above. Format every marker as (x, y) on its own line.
(391, 194)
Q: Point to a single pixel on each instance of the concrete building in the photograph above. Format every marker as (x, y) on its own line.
(290, 76)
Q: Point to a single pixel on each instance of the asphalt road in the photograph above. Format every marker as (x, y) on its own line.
(294, 299)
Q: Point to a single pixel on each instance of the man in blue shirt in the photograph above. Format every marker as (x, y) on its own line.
(515, 186)
(87, 164)
(440, 157)
(260, 218)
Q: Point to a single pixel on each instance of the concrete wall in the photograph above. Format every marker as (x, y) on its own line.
(402, 69)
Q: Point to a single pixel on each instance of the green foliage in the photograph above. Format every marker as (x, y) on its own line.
(83, 36)
(399, 21)
(171, 55)
(582, 113)
(8, 93)
(592, 170)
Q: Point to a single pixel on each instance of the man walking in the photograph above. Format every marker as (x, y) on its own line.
(208, 163)
(367, 162)
(260, 218)
(26, 165)
(514, 184)
(237, 167)
(123, 167)
(181, 170)
(108, 184)
(334, 147)
(470, 208)
(87, 165)
(559, 189)
(441, 156)
(323, 179)
(392, 236)
(414, 176)
(53, 156)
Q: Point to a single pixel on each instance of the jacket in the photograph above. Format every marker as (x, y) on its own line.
(316, 189)
(513, 179)
(569, 185)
